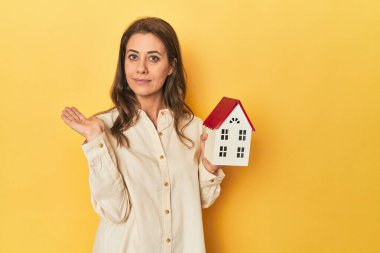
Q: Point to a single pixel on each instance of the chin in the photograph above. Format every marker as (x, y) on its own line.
(145, 93)
(141, 91)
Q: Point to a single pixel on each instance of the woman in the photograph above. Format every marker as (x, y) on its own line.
(148, 177)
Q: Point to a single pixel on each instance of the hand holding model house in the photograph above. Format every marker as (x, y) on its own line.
(229, 134)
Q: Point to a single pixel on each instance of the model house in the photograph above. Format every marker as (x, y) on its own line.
(229, 134)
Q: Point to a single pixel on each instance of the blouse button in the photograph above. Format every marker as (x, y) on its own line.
(160, 133)
(212, 180)
(162, 113)
(167, 211)
(100, 145)
(168, 240)
(166, 184)
(161, 157)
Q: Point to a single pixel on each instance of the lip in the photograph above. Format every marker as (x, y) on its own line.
(138, 80)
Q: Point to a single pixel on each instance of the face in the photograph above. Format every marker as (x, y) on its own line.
(146, 65)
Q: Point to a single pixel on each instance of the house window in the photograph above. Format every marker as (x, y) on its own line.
(224, 135)
(222, 151)
(242, 135)
(234, 120)
(240, 152)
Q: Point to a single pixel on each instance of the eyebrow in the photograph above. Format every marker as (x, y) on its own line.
(149, 52)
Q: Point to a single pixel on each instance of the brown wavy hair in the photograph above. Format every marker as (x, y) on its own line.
(174, 88)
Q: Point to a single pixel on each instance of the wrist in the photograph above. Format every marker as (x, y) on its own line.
(215, 172)
(92, 136)
(210, 168)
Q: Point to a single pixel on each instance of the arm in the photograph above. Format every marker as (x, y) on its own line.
(209, 185)
(109, 194)
(210, 177)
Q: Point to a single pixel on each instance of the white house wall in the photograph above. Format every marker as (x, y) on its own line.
(233, 140)
(237, 112)
(210, 144)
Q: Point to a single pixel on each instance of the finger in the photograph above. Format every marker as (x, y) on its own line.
(67, 114)
(204, 137)
(66, 120)
(78, 113)
(72, 113)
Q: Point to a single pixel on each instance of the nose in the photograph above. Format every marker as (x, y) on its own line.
(141, 66)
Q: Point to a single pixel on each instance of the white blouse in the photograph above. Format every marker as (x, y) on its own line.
(149, 196)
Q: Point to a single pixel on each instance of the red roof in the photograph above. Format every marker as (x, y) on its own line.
(221, 112)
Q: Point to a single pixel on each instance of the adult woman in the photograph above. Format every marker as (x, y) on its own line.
(147, 184)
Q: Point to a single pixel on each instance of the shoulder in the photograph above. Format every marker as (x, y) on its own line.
(198, 121)
(108, 116)
(194, 124)
(193, 120)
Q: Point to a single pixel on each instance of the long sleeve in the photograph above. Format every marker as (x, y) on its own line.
(109, 194)
(209, 185)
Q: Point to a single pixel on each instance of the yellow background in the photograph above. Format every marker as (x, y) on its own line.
(307, 73)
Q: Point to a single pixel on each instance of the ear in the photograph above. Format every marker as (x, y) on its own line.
(172, 66)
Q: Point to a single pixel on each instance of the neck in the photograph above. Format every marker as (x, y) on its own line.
(151, 106)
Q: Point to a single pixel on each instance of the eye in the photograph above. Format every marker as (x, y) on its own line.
(153, 58)
(132, 57)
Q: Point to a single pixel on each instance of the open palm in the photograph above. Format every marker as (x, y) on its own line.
(88, 127)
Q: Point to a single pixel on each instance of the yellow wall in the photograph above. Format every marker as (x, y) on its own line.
(307, 73)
